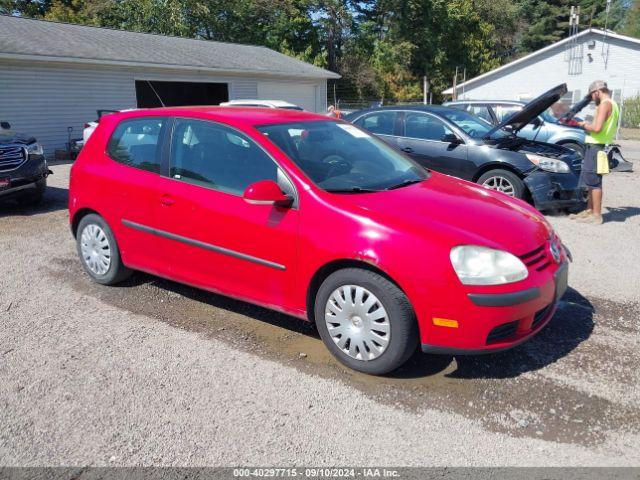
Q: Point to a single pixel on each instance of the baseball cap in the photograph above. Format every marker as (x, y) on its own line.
(597, 85)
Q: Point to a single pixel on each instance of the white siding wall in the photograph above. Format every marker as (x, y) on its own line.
(532, 77)
(44, 99)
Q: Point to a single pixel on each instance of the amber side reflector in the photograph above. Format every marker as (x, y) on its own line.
(445, 322)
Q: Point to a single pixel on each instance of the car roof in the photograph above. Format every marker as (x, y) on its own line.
(437, 109)
(274, 103)
(508, 102)
(241, 116)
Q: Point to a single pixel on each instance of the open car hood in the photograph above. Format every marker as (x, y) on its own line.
(531, 110)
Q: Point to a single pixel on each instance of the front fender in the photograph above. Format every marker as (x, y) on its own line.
(569, 135)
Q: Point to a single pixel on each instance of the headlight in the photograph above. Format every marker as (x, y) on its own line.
(548, 164)
(476, 265)
(35, 149)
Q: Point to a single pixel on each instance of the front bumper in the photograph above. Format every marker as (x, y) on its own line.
(555, 190)
(25, 176)
(493, 322)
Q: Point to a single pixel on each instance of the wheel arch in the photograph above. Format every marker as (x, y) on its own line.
(78, 216)
(497, 166)
(327, 269)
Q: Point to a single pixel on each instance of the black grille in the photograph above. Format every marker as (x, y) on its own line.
(540, 316)
(12, 156)
(501, 332)
(537, 258)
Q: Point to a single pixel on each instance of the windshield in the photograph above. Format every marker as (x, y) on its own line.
(473, 126)
(339, 157)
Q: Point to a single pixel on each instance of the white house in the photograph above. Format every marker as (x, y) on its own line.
(577, 61)
(55, 76)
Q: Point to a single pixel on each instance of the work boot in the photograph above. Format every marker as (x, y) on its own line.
(582, 214)
(591, 219)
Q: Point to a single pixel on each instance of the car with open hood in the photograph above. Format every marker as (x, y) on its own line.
(318, 219)
(23, 167)
(544, 127)
(460, 144)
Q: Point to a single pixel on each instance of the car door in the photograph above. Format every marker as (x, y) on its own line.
(422, 140)
(135, 148)
(212, 236)
(385, 124)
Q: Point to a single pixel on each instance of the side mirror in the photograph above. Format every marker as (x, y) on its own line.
(536, 122)
(451, 138)
(5, 125)
(266, 192)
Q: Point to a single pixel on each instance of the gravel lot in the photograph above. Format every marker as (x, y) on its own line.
(155, 373)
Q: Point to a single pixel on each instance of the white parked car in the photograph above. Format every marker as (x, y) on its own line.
(89, 127)
(261, 103)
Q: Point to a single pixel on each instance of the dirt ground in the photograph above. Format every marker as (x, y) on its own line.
(155, 373)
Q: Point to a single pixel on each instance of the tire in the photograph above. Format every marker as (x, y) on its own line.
(511, 184)
(34, 195)
(94, 232)
(576, 147)
(382, 356)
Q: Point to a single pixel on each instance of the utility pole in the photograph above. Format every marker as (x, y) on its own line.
(425, 89)
(455, 86)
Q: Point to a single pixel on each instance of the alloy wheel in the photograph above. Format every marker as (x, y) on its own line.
(357, 322)
(501, 184)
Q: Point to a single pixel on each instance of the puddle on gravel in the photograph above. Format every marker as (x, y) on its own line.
(487, 388)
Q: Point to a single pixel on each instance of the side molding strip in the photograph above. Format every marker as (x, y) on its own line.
(206, 246)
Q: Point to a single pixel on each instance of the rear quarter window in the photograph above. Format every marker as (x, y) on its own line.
(136, 143)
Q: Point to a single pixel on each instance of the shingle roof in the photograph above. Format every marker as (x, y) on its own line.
(62, 41)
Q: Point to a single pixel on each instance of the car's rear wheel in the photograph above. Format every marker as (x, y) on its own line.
(99, 251)
(503, 181)
(365, 321)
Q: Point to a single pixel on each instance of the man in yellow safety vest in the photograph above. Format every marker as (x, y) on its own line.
(600, 133)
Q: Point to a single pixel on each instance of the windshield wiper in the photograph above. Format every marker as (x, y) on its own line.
(405, 183)
(352, 190)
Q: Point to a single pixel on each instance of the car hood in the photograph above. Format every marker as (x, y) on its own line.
(531, 110)
(9, 136)
(457, 212)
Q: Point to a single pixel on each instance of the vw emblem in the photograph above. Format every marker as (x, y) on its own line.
(555, 251)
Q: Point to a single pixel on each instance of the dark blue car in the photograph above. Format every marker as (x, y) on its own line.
(460, 144)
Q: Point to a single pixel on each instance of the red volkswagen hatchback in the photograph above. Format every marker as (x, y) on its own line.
(318, 219)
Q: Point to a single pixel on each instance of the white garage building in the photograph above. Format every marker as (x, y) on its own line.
(55, 75)
(577, 61)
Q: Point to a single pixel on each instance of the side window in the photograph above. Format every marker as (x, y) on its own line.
(215, 156)
(481, 111)
(424, 127)
(505, 111)
(381, 123)
(137, 143)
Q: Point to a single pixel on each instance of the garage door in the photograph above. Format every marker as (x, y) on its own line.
(299, 94)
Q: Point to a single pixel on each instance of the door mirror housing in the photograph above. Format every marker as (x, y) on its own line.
(451, 138)
(267, 192)
(536, 122)
(5, 125)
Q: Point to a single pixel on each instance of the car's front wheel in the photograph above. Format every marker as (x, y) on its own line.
(365, 321)
(99, 251)
(503, 181)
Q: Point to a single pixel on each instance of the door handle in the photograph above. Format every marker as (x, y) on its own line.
(167, 200)
(407, 149)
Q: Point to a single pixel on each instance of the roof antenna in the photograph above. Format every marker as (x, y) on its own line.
(154, 91)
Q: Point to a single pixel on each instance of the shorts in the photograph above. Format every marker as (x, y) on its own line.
(588, 176)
